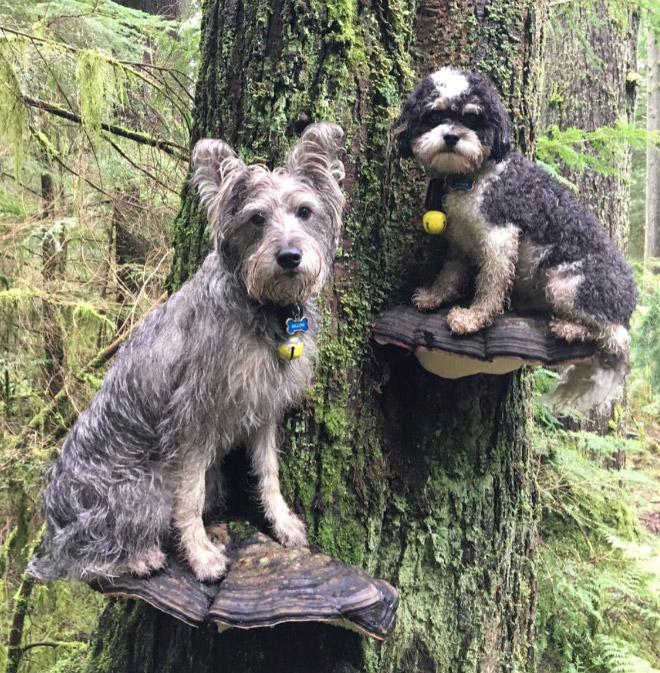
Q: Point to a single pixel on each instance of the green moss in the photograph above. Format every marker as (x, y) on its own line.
(90, 74)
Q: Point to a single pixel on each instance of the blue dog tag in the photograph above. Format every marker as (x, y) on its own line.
(293, 326)
(461, 184)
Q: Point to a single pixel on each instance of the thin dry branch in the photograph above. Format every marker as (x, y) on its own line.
(174, 150)
(137, 166)
(75, 50)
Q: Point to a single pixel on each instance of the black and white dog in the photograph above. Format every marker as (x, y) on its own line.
(523, 236)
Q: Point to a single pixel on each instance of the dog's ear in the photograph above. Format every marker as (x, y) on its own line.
(213, 163)
(406, 127)
(316, 155)
(403, 134)
(502, 142)
(502, 124)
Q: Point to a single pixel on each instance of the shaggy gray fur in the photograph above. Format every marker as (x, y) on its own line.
(200, 375)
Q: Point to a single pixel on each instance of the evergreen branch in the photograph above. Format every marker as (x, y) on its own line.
(76, 50)
(173, 149)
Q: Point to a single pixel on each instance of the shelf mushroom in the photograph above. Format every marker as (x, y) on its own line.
(513, 340)
(266, 585)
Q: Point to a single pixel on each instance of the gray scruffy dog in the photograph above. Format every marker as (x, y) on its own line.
(202, 374)
(523, 235)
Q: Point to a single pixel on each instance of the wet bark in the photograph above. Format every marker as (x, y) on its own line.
(424, 482)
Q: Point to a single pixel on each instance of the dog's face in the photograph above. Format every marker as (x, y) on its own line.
(277, 231)
(452, 122)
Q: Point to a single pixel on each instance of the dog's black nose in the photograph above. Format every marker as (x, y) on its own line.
(289, 258)
(451, 139)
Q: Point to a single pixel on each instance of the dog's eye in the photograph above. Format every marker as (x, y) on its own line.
(304, 213)
(435, 117)
(258, 219)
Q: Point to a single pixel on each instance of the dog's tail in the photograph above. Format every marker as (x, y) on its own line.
(594, 385)
(47, 565)
(46, 568)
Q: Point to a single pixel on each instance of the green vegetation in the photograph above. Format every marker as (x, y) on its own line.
(95, 117)
(95, 103)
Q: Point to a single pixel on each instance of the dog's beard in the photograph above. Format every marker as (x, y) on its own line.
(466, 156)
(265, 280)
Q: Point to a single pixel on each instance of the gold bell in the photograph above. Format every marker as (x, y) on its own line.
(434, 222)
(291, 349)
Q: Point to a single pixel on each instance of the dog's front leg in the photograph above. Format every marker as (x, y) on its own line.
(262, 448)
(499, 254)
(447, 287)
(207, 561)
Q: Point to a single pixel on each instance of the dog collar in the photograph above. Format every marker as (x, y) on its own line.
(459, 183)
(294, 322)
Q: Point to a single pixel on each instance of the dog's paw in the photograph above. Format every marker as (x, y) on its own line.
(569, 331)
(290, 531)
(466, 320)
(425, 299)
(209, 565)
(146, 562)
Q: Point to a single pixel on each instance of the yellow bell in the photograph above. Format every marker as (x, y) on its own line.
(434, 222)
(291, 349)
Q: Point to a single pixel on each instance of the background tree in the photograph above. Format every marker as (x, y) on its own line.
(652, 239)
(589, 83)
(424, 482)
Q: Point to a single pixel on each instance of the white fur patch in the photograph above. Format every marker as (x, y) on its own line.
(449, 82)
(467, 156)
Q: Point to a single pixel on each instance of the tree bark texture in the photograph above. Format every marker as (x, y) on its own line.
(424, 482)
(652, 236)
(53, 260)
(590, 55)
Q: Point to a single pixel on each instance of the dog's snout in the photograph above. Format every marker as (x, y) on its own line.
(289, 258)
(451, 139)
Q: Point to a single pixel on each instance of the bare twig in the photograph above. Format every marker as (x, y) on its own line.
(137, 166)
(174, 150)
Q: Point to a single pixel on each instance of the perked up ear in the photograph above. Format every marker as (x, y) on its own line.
(213, 163)
(316, 154)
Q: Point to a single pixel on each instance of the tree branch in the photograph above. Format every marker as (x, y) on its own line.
(174, 150)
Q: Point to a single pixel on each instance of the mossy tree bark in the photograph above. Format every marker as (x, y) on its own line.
(589, 65)
(424, 482)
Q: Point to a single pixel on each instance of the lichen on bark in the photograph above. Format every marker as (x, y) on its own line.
(423, 482)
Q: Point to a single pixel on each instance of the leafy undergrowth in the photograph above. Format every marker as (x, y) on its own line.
(599, 554)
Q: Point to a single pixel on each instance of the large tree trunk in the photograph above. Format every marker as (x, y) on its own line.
(590, 53)
(426, 483)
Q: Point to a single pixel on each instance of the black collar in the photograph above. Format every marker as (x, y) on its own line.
(293, 311)
(438, 187)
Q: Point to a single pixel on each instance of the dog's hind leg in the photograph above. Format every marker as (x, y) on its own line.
(497, 271)
(262, 448)
(207, 561)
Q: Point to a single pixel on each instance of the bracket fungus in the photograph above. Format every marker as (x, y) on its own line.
(513, 340)
(266, 585)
